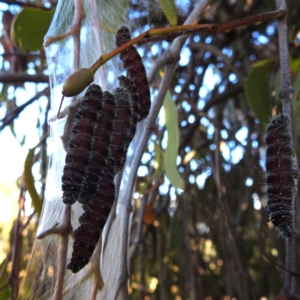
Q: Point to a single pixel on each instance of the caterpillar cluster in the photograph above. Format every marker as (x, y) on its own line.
(97, 143)
(280, 177)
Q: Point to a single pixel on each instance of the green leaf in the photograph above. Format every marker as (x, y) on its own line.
(29, 179)
(29, 28)
(257, 90)
(170, 154)
(169, 9)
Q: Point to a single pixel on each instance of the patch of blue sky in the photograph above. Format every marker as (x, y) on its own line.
(249, 181)
(146, 157)
(187, 149)
(221, 88)
(259, 39)
(164, 141)
(191, 119)
(111, 76)
(162, 117)
(137, 14)
(241, 135)
(210, 131)
(186, 106)
(177, 89)
(207, 55)
(208, 40)
(199, 70)
(154, 50)
(252, 57)
(256, 201)
(3, 7)
(237, 154)
(192, 179)
(196, 38)
(254, 144)
(203, 92)
(151, 146)
(232, 78)
(226, 167)
(200, 180)
(211, 78)
(142, 171)
(224, 134)
(204, 122)
(164, 188)
(165, 45)
(193, 165)
(271, 29)
(191, 87)
(183, 123)
(184, 56)
(227, 51)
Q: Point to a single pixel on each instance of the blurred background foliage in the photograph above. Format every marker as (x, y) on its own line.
(196, 243)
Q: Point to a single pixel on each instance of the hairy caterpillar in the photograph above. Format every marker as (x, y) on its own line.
(99, 150)
(280, 177)
(136, 73)
(121, 129)
(98, 185)
(80, 143)
(134, 103)
(92, 222)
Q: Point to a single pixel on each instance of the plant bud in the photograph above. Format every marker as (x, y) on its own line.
(77, 82)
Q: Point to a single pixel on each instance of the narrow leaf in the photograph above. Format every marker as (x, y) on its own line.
(170, 154)
(169, 9)
(29, 28)
(29, 179)
(257, 90)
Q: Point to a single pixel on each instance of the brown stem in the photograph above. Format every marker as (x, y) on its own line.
(6, 77)
(74, 29)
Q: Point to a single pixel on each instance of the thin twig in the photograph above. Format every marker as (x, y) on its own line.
(161, 33)
(13, 113)
(79, 15)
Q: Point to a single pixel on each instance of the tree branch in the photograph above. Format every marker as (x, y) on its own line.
(286, 93)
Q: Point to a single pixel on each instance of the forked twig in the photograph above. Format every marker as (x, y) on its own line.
(79, 15)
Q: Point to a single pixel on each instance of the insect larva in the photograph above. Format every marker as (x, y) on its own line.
(99, 148)
(92, 223)
(121, 127)
(80, 144)
(134, 103)
(280, 177)
(133, 63)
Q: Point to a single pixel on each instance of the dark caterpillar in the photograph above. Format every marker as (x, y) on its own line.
(280, 177)
(92, 222)
(80, 144)
(136, 73)
(121, 130)
(134, 103)
(99, 150)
